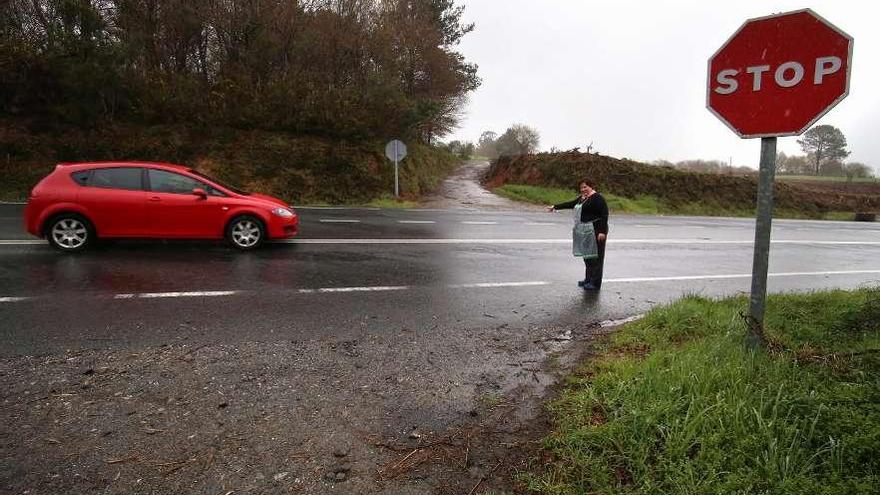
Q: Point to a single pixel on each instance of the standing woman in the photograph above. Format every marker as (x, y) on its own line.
(593, 210)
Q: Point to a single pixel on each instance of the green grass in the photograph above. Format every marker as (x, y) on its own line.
(646, 204)
(383, 201)
(388, 201)
(675, 403)
(843, 216)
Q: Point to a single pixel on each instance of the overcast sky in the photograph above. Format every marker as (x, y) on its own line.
(630, 76)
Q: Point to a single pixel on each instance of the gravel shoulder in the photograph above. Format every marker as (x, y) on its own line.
(416, 412)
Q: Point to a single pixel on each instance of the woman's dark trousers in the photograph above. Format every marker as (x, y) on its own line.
(593, 273)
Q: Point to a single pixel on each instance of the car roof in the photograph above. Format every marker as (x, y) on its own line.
(158, 165)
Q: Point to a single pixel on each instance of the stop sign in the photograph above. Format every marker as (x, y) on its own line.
(778, 74)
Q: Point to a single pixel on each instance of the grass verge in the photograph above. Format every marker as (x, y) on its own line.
(674, 403)
(646, 204)
(388, 201)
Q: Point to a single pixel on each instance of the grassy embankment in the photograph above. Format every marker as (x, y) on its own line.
(300, 169)
(644, 204)
(674, 403)
(641, 188)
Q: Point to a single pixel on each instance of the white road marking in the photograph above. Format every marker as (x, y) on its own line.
(565, 241)
(362, 289)
(481, 285)
(416, 221)
(423, 241)
(615, 323)
(541, 224)
(158, 295)
(468, 222)
(361, 208)
(338, 220)
(739, 275)
(806, 242)
(489, 285)
(830, 243)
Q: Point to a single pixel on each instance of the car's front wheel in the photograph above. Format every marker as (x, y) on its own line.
(71, 233)
(245, 232)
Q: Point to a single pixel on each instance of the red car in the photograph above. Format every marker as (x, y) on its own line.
(80, 202)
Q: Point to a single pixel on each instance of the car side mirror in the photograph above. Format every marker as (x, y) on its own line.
(200, 193)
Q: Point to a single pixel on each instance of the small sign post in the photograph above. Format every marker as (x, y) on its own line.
(776, 76)
(395, 150)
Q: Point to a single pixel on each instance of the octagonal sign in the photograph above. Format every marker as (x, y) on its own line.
(779, 74)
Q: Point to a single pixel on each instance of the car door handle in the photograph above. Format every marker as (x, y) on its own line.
(155, 198)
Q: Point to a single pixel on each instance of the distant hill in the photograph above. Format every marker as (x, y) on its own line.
(677, 188)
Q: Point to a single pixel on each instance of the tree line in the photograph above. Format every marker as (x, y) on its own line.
(824, 149)
(518, 139)
(355, 69)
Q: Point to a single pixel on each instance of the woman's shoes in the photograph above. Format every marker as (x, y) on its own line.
(586, 285)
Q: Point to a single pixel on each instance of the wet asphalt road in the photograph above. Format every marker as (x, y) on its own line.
(357, 271)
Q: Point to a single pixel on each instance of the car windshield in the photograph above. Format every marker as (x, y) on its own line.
(234, 189)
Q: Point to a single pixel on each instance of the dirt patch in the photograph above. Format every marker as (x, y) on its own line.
(355, 416)
(825, 186)
(463, 189)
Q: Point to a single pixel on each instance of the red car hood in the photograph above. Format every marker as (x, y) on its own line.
(269, 199)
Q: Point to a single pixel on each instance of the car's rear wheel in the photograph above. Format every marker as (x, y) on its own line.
(245, 232)
(70, 233)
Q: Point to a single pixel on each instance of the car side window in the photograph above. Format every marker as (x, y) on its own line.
(81, 177)
(117, 178)
(169, 182)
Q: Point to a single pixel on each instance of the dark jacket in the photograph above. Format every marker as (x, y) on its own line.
(594, 208)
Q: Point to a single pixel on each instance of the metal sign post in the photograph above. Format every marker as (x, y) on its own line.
(395, 150)
(776, 76)
(761, 258)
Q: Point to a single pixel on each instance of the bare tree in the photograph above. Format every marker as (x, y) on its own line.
(518, 139)
(487, 144)
(824, 142)
(856, 170)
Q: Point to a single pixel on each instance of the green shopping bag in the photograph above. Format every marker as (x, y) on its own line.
(583, 241)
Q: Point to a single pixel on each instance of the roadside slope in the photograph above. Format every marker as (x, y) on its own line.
(298, 168)
(679, 190)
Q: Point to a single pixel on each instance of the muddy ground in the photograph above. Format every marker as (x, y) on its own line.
(463, 189)
(417, 412)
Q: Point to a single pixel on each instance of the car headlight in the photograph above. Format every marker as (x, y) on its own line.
(282, 212)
